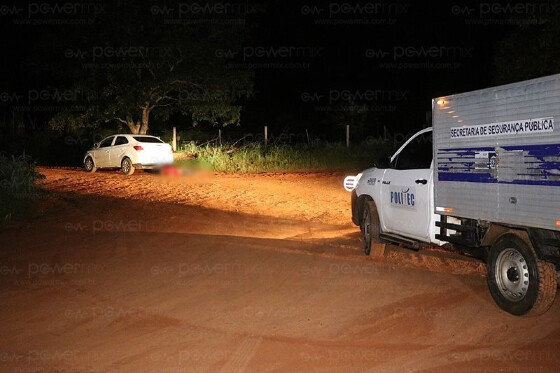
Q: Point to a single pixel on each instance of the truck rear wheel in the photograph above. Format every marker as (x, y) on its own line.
(370, 226)
(519, 282)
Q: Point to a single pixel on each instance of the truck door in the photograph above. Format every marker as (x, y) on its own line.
(405, 189)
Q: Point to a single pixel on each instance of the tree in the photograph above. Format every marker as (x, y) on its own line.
(533, 50)
(144, 68)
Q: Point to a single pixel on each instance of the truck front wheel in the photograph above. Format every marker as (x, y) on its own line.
(370, 226)
(519, 282)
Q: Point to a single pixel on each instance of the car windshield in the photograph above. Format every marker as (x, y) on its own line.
(147, 139)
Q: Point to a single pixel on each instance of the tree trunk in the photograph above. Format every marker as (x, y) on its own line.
(145, 120)
(139, 127)
(133, 127)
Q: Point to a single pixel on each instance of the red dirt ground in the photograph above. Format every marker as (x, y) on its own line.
(259, 273)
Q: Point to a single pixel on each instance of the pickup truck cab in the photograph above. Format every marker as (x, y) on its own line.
(402, 194)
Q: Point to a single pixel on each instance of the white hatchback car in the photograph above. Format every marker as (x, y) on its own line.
(128, 152)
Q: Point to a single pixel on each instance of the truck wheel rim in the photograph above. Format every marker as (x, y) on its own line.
(512, 275)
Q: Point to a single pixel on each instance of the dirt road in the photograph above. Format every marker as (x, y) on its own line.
(225, 273)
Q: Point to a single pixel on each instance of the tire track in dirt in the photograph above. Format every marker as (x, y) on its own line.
(242, 356)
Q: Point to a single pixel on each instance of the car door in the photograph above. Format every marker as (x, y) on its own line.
(102, 153)
(405, 189)
(117, 151)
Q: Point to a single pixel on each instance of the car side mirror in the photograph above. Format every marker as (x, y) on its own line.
(96, 145)
(383, 162)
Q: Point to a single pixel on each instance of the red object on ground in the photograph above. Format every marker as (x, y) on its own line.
(170, 170)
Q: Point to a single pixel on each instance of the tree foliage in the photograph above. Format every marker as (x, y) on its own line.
(531, 51)
(142, 67)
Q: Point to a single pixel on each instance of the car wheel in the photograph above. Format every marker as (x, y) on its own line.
(126, 166)
(89, 166)
(519, 282)
(370, 226)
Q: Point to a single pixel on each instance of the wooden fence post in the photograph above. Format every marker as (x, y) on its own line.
(174, 142)
(265, 135)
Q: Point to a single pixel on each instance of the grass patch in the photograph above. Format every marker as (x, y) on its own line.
(17, 187)
(256, 157)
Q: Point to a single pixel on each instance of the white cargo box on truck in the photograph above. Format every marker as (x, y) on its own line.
(497, 154)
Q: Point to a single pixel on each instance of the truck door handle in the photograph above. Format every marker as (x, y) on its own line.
(421, 181)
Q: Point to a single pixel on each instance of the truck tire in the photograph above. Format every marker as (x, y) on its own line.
(519, 281)
(126, 166)
(370, 226)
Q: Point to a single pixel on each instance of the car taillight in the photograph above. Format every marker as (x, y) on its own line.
(138, 147)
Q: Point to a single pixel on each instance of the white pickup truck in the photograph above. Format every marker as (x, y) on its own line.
(485, 179)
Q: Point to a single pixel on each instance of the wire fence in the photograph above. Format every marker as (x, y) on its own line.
(237, 136)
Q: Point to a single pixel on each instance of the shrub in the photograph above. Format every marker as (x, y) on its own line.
(17, 186)
(255, 157)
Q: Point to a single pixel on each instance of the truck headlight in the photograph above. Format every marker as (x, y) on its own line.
(350, 182)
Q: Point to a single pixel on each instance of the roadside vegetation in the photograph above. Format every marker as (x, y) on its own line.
(17, 187)
(256, 157)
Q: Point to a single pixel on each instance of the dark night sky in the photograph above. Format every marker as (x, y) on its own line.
(392, 56)
(423, 50)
